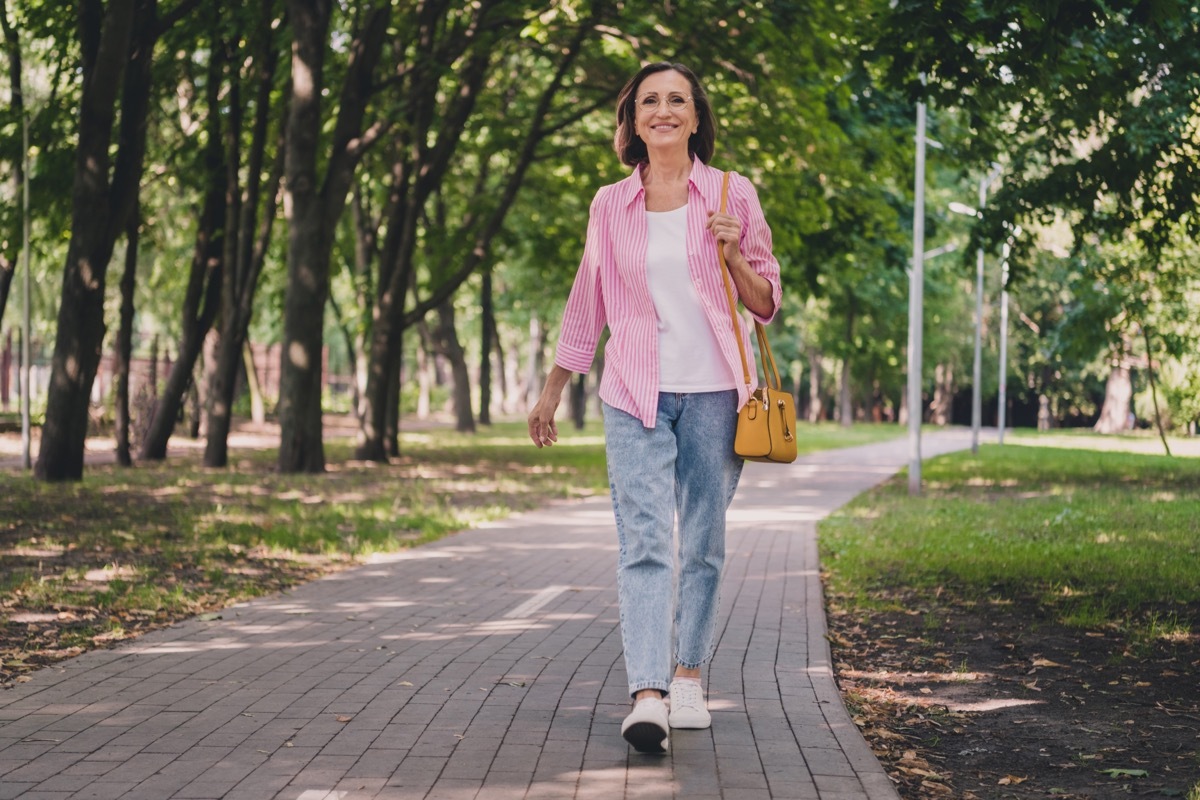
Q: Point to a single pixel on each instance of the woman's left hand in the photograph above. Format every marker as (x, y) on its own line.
(728, 230)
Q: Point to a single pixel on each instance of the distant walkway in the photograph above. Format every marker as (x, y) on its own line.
(486, 665)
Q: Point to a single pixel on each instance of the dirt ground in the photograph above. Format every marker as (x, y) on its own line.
(989, 702)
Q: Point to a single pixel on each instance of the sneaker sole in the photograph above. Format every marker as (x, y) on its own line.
(646, 737)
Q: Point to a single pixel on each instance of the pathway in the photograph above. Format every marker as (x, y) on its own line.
(486, 665)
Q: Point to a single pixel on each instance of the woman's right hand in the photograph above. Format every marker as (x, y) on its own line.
(542, 429)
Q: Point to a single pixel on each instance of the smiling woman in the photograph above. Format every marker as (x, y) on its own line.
(672, 381)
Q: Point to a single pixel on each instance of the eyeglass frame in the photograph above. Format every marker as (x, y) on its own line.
(638, 105)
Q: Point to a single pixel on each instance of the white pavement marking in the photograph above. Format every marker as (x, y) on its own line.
(537, 601)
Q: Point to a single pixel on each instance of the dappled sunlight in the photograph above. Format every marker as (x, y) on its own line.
(359, 608)
(720, 704)
(930, 698)
(110, 573)
(505, 626)
(776, 514)
(905, 678)
(168, 648)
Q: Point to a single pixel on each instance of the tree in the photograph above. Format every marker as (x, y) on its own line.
(316, 203)
(204, 278)
(250, 217)
(117, 44)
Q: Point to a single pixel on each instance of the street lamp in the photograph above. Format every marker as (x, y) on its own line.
(916, 310)
(977, 370)
(1003, 399)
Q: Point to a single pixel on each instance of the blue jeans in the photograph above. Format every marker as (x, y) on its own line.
(685, 465)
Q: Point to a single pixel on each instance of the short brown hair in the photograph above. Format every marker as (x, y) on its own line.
(630, 147)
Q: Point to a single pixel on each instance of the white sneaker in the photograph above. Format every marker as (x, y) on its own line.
(646, 727)
(688, 709)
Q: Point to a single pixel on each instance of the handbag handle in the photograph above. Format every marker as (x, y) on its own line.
(764, 347)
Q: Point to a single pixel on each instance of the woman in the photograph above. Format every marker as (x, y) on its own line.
(672, 380)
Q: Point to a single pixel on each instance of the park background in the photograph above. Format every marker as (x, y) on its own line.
(381, 206)
(324, 220)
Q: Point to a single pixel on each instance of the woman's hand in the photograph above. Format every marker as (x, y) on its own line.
(542, 429)
(728, 230)
(752, 289)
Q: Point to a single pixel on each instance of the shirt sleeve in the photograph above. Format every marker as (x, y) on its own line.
(755, 242)
(584, 317)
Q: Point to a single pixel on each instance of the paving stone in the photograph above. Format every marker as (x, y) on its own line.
(405, 678)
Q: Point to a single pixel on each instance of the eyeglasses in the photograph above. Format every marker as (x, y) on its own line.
(651, 101)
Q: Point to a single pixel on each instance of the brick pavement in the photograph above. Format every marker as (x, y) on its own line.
(486, 665)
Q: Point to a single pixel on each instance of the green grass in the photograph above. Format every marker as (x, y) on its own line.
(811, 438)
(1096, 538)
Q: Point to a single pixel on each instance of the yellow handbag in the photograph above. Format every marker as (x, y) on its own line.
(766, 426)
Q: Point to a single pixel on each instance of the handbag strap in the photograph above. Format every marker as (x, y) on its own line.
(737, 332)
(764, 347)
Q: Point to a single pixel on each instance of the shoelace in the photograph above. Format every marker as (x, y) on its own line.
(687, 694)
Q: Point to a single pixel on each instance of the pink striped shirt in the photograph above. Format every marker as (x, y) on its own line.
(611, 288)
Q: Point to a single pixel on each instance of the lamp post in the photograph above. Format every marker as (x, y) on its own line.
(916, 299)
(1003, 399)
(977, 370)
(27, 325)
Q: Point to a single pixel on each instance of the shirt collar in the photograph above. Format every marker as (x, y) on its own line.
(704, 178)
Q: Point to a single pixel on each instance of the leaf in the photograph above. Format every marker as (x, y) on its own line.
(344, 717)
(1045, 662)
(409, 683)
(1120, 772)
(1011, 780)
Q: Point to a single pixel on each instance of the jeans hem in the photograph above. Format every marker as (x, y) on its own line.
(634, 688)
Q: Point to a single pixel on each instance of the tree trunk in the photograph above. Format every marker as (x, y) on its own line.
(487, 327)
(124, 348)
(116, 56)
(943, 394)
(577, 402)
(12, 47)
(202, 298)
(1118, 394)
(316, 205)
(258, 406)
(240, 279)
(424, 373)
(845, 397)
(1158, 421)
(451, 349)
(816, 406)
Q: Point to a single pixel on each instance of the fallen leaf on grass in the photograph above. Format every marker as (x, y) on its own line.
(1011, 780)
(1119, 772)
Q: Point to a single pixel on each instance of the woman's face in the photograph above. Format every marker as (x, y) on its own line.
(665, 114)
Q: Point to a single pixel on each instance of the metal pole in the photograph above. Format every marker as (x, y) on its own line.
(27, 325)
(1003, 399)
(977, 372)
(916, 299)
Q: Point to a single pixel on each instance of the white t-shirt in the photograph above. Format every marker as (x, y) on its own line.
(689, 358)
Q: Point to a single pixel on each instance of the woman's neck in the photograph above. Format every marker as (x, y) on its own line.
(667, 169)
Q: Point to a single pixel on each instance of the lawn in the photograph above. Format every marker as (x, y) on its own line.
(1027, 627)
(1097, 538)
